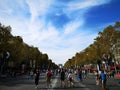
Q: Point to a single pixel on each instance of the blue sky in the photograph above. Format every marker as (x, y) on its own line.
(59, 28)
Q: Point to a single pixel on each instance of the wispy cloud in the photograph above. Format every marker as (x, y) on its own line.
(55, 26)
(38, 7)
(72, 26)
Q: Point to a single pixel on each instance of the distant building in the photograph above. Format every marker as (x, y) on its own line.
(60, 65)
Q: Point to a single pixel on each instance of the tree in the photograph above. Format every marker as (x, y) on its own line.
(20, 52)
(102, 45)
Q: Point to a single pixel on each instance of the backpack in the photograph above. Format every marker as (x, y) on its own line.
(49, 74)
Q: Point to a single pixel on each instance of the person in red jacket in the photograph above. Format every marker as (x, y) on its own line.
(48, 78)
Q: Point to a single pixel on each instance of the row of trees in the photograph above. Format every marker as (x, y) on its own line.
(103, 45)
(20, 52)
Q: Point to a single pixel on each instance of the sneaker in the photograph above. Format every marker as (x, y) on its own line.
(36, 87)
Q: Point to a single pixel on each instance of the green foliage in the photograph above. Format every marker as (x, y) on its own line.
(102, 45)
(20, 52)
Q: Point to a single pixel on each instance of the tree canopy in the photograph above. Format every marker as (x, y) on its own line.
(102, 45)
(20, 52)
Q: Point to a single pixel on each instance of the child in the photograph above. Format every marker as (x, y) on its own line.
(97, 77)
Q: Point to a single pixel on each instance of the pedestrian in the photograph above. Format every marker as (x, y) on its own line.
(70, 79)
(62, 78)
(80, 76)
(48, 78)
(31, 74)
(85, 73)
(118, 75)
(103, 80)
(97, 77)
(112, 73)
(37, 74)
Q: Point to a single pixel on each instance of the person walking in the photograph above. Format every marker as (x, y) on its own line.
(48, 78)
(31, 74)
(80, 76)
(62, 78)
(118, 75)
(97, 77)
(37, 74)
(103, 80)
(70, 79)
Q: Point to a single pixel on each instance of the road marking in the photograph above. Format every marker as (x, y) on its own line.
(54, 84)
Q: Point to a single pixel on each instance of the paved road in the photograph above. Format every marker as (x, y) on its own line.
(23, 83)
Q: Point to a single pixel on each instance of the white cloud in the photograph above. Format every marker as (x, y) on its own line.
(38, 7)
(85, 4)
(82, 6)
(59, 45)
(72, 26)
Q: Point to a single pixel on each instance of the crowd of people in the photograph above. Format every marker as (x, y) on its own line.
(67, 77)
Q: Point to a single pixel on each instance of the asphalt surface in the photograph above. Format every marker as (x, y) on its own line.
(24, 83)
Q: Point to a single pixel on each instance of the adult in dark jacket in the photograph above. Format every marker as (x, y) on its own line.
(37, 74)
(62, 78)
